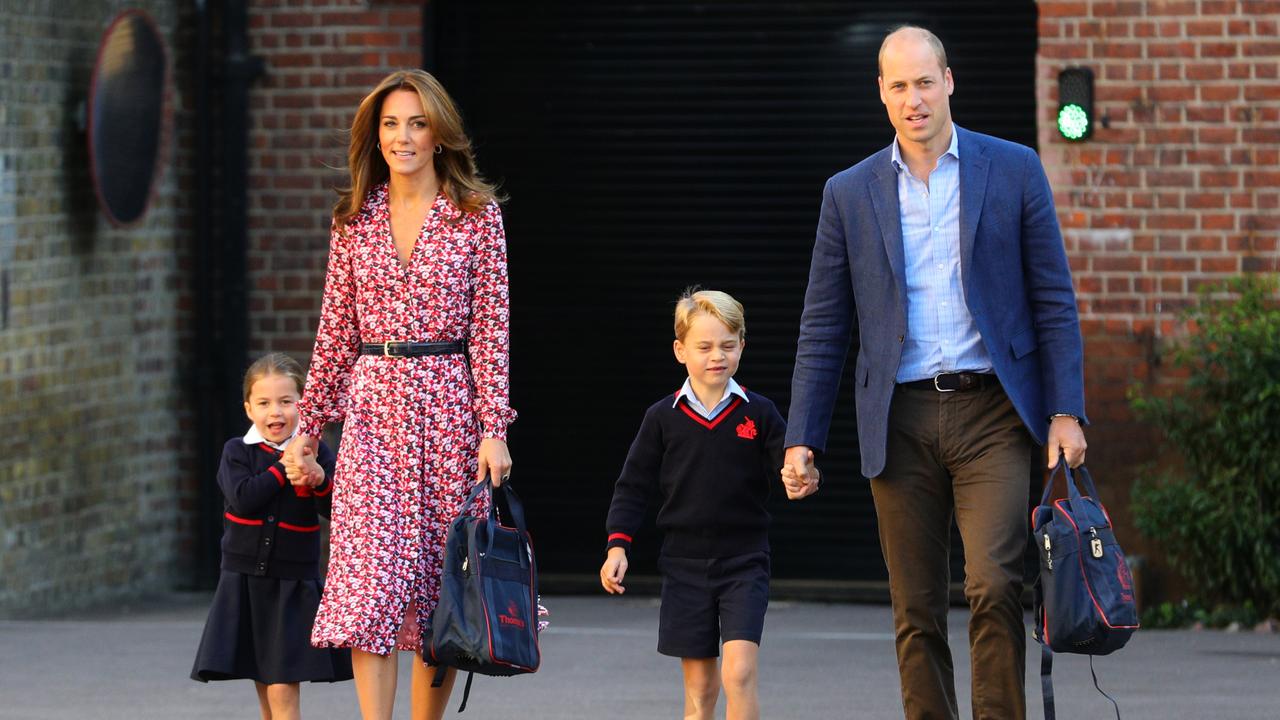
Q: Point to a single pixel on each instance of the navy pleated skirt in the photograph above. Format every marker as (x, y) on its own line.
(259, 628)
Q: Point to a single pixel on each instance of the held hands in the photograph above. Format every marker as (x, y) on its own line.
(1066, 437)
(300, 462)
(494, 461)
(613, 570)
(799, 476)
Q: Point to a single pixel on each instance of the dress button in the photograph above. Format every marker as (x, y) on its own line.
(266, 541)
(271, 518)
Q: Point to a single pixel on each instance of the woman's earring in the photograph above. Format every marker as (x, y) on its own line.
(379, 146)
(439, 148)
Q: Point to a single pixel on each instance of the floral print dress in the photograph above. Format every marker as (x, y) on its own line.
(412, 426)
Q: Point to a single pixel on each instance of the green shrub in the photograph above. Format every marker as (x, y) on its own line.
(1177, 615)
(1218, 518)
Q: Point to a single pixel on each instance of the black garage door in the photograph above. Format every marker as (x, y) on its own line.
(652, 146)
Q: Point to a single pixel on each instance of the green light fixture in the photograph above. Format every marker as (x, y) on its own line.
(1075, 103)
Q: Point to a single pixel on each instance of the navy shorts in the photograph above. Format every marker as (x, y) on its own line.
(709, 600)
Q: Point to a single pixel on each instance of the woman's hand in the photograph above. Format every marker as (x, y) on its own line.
(295, 457)
(495, 461)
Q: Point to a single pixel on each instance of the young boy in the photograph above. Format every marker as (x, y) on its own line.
(710, 451)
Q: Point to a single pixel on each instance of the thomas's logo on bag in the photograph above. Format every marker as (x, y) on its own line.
(512, 616)
(747, 430)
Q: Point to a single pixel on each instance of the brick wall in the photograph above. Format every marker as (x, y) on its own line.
(321, 59)
(92, 499)
(1179, 188)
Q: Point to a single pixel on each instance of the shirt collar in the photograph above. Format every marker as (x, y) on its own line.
(732, 388)
(253, 437)
(953, 150)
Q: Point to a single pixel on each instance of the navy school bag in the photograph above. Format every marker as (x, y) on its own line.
(487, 618)
(1084, 600)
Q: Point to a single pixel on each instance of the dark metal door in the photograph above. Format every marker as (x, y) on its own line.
(651, 146)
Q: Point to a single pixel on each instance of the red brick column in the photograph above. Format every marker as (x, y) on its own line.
(320, 58)
(1178, 187)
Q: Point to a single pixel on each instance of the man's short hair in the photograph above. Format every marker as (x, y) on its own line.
(924, 34)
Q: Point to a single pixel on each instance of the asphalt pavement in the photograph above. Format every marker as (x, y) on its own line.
(818, 660)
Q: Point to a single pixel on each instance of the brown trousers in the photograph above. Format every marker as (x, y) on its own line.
(968, 454)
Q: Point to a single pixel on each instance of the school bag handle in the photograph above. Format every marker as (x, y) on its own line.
(1073, 492)
(513, 505)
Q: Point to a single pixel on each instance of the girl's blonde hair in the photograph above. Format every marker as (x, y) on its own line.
(719, 305)
(455, 165)
(273, 364)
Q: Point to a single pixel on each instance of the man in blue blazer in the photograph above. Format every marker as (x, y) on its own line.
(940, 263)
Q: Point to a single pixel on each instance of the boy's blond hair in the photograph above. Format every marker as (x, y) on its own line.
(719, 305)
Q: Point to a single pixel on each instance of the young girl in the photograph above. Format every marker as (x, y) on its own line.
(260, 624)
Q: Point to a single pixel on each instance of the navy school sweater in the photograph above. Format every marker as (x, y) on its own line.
(270, 527)
(712, 478)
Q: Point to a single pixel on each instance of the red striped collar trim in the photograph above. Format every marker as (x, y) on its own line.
(711, 424)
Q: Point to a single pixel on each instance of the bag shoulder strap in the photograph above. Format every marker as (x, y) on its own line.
(437, 680)
(1046, 681)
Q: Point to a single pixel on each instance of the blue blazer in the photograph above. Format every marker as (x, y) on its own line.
(1016, 284)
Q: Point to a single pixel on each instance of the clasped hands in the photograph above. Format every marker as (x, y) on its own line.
(799, 476)
(300, 462)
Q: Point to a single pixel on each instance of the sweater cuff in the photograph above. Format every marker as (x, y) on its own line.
(277, 469)
(618, 539)
(323, 488)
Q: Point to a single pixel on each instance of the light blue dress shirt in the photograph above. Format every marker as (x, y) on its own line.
(941, 335)
(730, 390)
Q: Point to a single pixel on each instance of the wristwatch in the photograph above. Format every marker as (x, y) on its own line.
(1066, 415)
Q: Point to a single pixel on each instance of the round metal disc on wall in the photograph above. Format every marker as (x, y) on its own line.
(126, 113)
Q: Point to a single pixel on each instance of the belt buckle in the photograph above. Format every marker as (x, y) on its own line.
(938, 387)
(386, 349)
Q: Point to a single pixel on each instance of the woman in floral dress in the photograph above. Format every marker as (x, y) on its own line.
(417, 255)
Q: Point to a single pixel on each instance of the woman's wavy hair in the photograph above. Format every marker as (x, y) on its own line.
(455, 165)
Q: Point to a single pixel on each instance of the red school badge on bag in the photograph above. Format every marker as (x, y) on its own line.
(747, 430)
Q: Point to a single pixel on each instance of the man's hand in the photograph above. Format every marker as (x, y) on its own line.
(494, 461)
(799, 476)
(613, 570)
(1066, 437)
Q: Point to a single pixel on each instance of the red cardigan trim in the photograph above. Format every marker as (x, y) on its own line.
(285, 525)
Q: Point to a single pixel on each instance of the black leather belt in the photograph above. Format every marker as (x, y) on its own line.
(954, 382)
(413, 349)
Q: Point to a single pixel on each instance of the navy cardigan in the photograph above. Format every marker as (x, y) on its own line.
(270, 527)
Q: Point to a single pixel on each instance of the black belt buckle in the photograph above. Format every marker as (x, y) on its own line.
(951, 382)
(405, 349)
